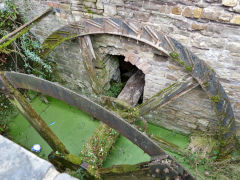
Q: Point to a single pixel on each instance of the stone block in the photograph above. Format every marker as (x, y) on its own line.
(91, 0)
(225, 17)
(203, 122)
(53, 4)
(197, 12)
(99, 4)
(237, 8)
(235, 19)
(64, 176)
(110, 10)
(230, 3)
(233, 47)
(65, 7)
(198, 27)
(176, 10)
(89, 4)
(16, 163)
(210, 13)
(187, 12)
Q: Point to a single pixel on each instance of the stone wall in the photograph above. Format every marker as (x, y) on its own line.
(209, 28)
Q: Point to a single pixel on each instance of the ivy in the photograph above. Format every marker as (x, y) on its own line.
(19, 53)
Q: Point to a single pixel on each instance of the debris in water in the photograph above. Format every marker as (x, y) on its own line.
(36, 148)
(52, 123)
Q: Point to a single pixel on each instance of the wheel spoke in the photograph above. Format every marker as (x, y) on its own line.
(88, 56)
(167, 95)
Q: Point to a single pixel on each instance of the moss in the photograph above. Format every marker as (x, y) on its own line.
(215, 99)
(88, 10)
(175, 56)
(2, 46)
(188, 68)
(54, 40)
(206, 84)
(73, 159)
(98, 146)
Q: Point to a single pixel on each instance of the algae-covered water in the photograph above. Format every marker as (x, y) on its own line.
(74, 128)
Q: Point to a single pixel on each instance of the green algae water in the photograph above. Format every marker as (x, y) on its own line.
(74, 128)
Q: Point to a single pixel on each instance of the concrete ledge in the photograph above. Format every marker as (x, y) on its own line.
(17, 163)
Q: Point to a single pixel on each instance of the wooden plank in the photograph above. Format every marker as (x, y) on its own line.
(104, 137)
(167, 95)
(133, 89)
(20, 102)
(88, 56)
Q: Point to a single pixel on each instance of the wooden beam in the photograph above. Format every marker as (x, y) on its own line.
(167, 95)
(133, 89)
(104, 137)
(88, 57)
(20, 102)
(161, 167)
(72, 162)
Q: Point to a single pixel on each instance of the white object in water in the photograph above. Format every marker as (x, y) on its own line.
(36, 148)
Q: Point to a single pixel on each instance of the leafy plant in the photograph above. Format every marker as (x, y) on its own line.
(20, 55)
(115, 89)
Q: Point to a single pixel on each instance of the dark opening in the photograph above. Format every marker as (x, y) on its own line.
(126, 71)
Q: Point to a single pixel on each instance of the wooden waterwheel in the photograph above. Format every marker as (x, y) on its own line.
(161, 165)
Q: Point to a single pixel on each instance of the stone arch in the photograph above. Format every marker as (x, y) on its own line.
(197, 68)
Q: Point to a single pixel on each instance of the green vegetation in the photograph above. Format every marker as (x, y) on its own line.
(88, 10)
(206, 84)
(19, 53)
(175, 56)
(215, 99)
(198, 155)
(115, 89)
(188, 68)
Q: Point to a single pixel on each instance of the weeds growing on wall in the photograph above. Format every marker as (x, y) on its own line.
(115, 89)
(20, 55)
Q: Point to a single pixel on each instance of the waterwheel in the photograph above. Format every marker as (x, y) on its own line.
(162, 165)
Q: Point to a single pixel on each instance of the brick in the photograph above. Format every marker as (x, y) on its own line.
(187, 12)
(65, 7)
(197, 12)
(99, 4)
(198, 27)
(89, 4)
(236, 19)
(225, 17)
(230, 3)
(211, 14)
(53, 4)
(176, 10)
